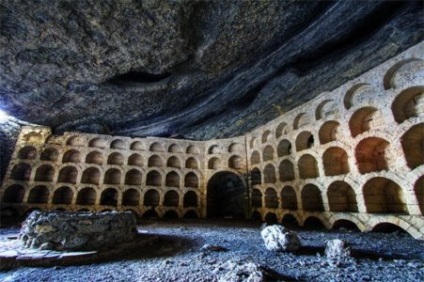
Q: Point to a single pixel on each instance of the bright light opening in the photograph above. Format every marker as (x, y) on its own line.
(3, 116)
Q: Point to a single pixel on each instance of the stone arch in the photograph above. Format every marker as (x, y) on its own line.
(335, 161)
(284, 148)
(154, 178)
(235, 148)
(268, 153)
(290, 221)
(68, 174)
(170, 214)
(44, 173)
(109, 197)
(364, 119)
(383, 195)
(286, 171)
(136, 146)
(280, 130)
(71, 156)
(190, 199)
(346, 224)
(311, 198)
(171, 199)
(131, 197)
(115, 159)
(325, 109)
(94, 157)
(413, 145)
(21, 171)
(86, 196)
(313, 223)
(301, 119)
(27, 153)
(271, 218)
(63, 196)
(253, 142)
(370, 155)
(133, 177)
(91, 175)
(174, 162)
(266, 136)
(214, 149)
(214, 163)
(235, 162)
(304, 140)
(97, 143)
(172, 179)
(51, 154)
(75, 141)
(419, 193)
(118, 144)
(255, 158)
(409, 103)
(341, 197)
(269, 174)
(226, 194)
(192, 163)
(408, 67)
(151, 198)
(308, 167)
(155, 161)
(256, 176)
(388, 227)
(328, 132)
(191, 180)
(271, 198)
(14, 194)
(135, 160)
(191, 214)
(256, 198)
(156, 147)
(193, 150)
(288, 198)
(175, 148)
(112, 176)
(352, 94)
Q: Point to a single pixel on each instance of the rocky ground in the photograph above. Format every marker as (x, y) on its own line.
(233, 250)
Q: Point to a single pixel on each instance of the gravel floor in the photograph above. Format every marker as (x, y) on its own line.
(176, 254)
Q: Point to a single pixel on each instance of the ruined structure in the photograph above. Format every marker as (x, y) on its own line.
(354, 154)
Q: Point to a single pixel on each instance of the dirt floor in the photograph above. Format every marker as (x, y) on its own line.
(175, 253)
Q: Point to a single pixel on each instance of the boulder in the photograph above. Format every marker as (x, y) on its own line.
(77, 231)
(278, 238)
(337, 250)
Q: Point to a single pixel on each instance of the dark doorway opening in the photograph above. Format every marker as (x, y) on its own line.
(226, 196)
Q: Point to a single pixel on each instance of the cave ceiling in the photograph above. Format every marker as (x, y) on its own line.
(188, 69)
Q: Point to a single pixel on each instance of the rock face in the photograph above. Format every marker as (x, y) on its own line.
(197, 69)
(77, 231)
(278, 238)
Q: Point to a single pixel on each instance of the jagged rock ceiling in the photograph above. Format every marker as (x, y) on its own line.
(193, 69)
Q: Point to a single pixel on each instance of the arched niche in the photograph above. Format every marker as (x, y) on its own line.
(44, 173)
(341, 197)
(266, 136)
(151, 198)
(383, 195)
(325, 108)
(118, 144)
(14, 194)
(214, 163)
(286, 171)
(191, 163)
(419, 193)
(190, 199)
(271, 198)
(155, 161)
(174, 162)
(133, 177)
(268, 153)
(38, 195)
(49, 154)
(68, 174)
(94, 157)
(364, 119)
(281, 129)
(308, 167)
(409, 103)
(97, 143)
(27, 153)
(150, 214)
(413, 145)
(269, 174)
(135, 160)
(131, 197)
(335, 161)
(271, 218)
(410, 68)
(288, 198)
(345, 224)
(290, 221)
(284, 148)
(256, 198)
(86, 196)
(191, 180)
(235, 148)
(91, 176)
(311, 198)
(235, 162)
(175, 148)
(171, 199)
(255, 158)
(76, 141)
(301, 120)
(313, 223)
(154, 178)
(109, 197)
(112, 176)
(191, 214)
(256, 176)
(370, 155)
(63, 196)
(170, 214)
(21, 171)
(328, 132)
(136, 146)
(351, 97)
(214, 149)
(172, 179)
(156, 147)
(304, 140)
(193, 150)
(115, 159)
(71, 156)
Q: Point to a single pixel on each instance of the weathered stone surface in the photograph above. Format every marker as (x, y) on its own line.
(278, 238)
(77, 231)
(236, 271)
(337, 250)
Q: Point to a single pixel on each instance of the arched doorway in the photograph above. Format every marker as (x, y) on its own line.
(226, 196)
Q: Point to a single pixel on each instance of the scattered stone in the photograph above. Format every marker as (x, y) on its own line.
(278, 238)
(213, 248)
(337, 251)
(237, 272)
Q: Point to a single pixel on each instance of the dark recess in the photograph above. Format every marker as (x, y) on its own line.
(138, 77)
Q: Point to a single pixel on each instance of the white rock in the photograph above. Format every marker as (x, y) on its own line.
(337, 249)
(278, 238)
